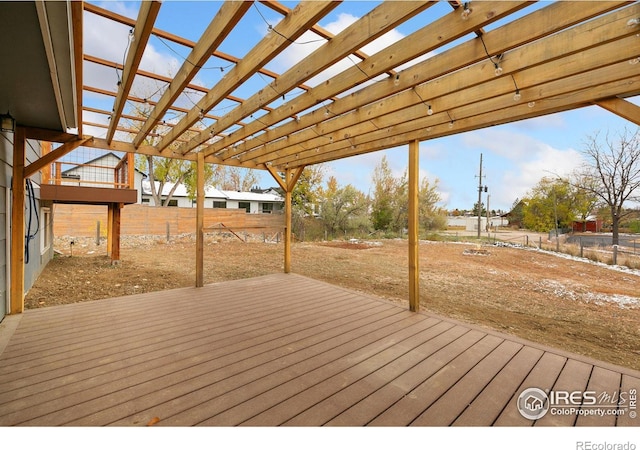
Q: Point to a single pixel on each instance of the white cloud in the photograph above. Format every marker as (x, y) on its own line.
(525, 160)
(109, 40)
(508, 144)
(546, 161)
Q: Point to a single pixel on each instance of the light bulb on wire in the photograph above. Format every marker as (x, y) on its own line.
(466, 10)
(517, 96)
(498, 69)
(429, 110)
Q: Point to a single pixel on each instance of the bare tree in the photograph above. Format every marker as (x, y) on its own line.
(612, 172)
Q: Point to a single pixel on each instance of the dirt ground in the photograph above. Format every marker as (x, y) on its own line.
(573, 305)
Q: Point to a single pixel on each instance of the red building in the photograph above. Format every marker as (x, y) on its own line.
(590, 224)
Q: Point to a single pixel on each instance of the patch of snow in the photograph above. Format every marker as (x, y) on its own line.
(560, 290)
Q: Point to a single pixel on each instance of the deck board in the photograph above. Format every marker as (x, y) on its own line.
(279, 350)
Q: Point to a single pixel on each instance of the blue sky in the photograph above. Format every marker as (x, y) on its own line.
(515, 156)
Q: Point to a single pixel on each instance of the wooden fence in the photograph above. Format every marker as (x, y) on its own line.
(81, 220)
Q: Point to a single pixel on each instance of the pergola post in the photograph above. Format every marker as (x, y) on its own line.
(414, 269)
(113, 231)
(200, 221)
(17, 222)
(287, 222)
(287, 185)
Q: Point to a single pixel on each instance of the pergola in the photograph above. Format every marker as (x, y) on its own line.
(466, 66)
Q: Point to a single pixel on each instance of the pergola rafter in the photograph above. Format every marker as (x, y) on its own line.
(551, 44)
(427, 39)
(461, 65)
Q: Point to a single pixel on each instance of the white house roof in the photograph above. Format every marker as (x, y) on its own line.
(211, 192)
(252, 196)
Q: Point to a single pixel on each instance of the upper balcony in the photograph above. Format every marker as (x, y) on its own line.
(104, 180)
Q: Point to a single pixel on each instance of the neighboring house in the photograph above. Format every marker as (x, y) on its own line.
(38, 221)
(253, 202)
(99, 172)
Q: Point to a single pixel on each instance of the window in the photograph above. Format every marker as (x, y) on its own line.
(145, 200)
(267, 208)
(173, 202)
(46, 230)
(222, 204)
(245, 205)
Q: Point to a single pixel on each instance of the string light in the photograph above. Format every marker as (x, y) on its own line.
(131, 35)
(633, 22)
(531, 104)
(634, 61)
(429, 111)
(498, 69)
(466, 10)
(397, 80)
(516, 96)
(201, 114)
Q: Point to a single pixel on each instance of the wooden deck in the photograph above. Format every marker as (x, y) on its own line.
(277, 350)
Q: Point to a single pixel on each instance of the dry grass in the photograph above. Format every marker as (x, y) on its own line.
(540, 297)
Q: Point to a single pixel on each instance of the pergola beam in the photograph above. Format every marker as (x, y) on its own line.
(286, 31)
(363, 107)
(429, 38)
(54, 155)
(622, 108)
(371, 26)
(78, 50)
(425, 130)
(457, 105)
(222, 24)
(137, 45)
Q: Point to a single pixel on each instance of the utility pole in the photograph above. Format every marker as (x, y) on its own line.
(480, 197)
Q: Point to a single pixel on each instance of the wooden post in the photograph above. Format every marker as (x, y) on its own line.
(17, 223)
(131, 175)
(46, 170)
(287, 225)
(114, 227)
(110, 212)
(200, 222)
(414, 269)
(58, 169)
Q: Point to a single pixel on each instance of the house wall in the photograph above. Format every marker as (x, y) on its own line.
(38, 257)
(6, 145)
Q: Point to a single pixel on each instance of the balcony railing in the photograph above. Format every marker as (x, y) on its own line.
(122, 176)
